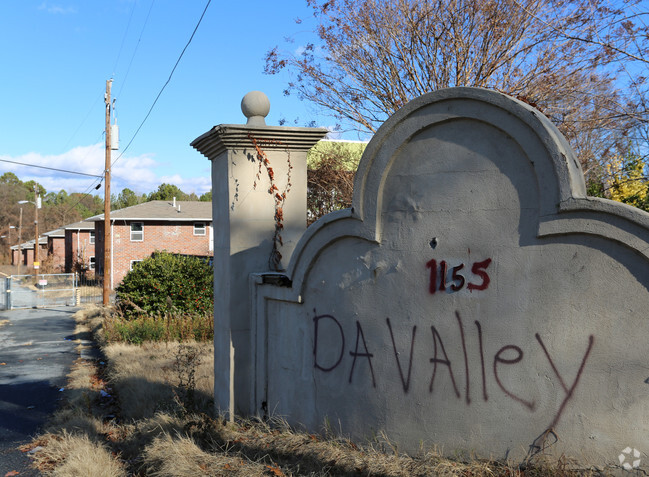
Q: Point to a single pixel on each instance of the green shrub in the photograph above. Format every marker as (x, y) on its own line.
(166, 283)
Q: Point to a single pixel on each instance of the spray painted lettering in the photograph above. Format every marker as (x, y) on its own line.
(506, 356)
(451, 280)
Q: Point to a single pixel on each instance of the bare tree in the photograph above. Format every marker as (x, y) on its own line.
(621, 36)
(373, 56)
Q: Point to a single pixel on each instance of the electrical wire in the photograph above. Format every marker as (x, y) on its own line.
(128, 69)
(95, 184)
(119, 54)
(165, 85)
(86, 193)
(51, 168)
(83, 121)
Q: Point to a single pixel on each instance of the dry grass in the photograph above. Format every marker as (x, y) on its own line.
(131, 417)
(141, 376)
(168, 456)
(74, 455)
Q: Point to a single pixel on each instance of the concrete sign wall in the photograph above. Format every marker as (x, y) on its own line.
(472, 298)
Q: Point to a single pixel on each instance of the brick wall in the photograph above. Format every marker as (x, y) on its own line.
(78, 248)
(28, 255)
(157, 236)
(16, 257)
(56, 253)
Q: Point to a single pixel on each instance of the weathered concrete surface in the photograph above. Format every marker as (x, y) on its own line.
(36, 352)
(473, 298)
(251, 165)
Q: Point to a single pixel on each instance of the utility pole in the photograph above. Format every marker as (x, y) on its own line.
(107, 236)
(20, 238)
(36, 258)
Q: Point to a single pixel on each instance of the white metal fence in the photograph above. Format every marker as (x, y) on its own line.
(37, 291)
(43, 290)
(3, 292)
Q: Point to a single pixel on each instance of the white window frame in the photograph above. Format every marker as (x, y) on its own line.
(91, 262)
(200, 226)
(133, 262)
(92, 237)
(137, 231)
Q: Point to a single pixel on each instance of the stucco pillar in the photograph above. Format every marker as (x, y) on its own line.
(259, 183)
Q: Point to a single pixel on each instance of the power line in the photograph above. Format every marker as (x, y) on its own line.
(86, 193)
(119, 54)
(165, 85)
(128, 69)
(51, 168)
(82, 122)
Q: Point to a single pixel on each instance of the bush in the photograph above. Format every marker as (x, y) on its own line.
(167, 283)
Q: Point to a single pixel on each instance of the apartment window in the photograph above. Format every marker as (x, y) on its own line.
(134, 263)
(92, 236)
(199, 228)
(91, 263)
(137, 232)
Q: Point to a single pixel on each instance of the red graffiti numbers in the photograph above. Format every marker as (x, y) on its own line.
(480, 269)
(452, 280)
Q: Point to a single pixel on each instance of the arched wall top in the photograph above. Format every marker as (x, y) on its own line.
(557, 169)
(562, 188)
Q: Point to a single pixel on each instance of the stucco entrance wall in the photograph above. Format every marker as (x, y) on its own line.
(473, 297)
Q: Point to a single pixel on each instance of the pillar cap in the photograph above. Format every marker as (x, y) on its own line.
(255, 106)
(239, 137)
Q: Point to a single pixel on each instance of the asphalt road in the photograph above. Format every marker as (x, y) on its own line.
(36, 353)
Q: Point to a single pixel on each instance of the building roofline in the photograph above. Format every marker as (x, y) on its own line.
(153, 219)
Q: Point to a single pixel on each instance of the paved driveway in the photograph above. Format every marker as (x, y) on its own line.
(36, 353)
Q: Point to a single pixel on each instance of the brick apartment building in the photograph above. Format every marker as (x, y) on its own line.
(61, 249)
(23, 254)
(183, 227)
(55, 251)
(80, 246)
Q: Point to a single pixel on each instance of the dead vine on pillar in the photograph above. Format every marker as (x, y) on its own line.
(279, 198)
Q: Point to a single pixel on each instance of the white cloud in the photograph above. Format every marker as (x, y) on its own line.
(84, 159)
(56, 9)
(198, 185)
(138, 173)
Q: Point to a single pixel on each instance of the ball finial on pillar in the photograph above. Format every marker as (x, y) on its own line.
(255, 106)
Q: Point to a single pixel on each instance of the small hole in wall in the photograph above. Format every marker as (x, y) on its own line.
(433, 243)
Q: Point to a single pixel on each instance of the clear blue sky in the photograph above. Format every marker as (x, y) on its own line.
(57, 56)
